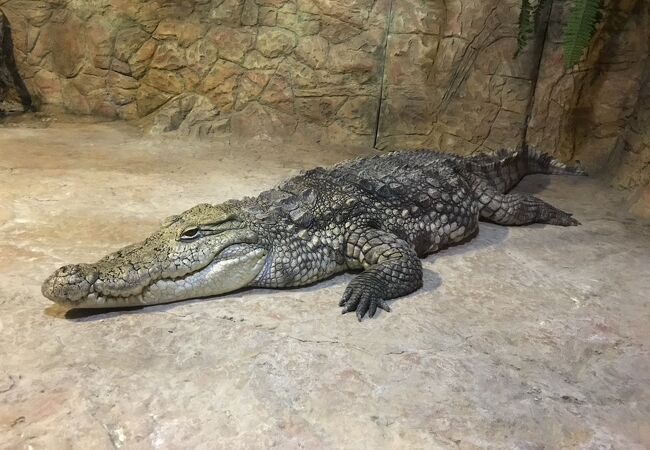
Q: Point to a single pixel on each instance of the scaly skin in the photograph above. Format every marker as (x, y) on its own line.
(380, 214)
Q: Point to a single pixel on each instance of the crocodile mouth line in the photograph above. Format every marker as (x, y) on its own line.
(96, 299)
(99, 296)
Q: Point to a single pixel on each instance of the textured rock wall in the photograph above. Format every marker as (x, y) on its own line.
(246, 67)
(443, 69)
(451, 81)
(629, 164)
(582, 113)
(280, 67)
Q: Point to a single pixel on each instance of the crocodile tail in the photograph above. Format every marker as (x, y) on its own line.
(543, 163)
(505, 168)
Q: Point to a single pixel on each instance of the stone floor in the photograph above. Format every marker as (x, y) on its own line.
(529, 338)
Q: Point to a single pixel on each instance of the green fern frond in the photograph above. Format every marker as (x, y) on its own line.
(580, 28)
(525, 25)
(529, 21)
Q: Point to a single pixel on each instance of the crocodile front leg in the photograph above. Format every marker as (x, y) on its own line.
(392, 269)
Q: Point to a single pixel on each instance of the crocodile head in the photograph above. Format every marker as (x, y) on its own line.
(202, 252)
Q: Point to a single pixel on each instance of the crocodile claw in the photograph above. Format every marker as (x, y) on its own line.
(362, 299)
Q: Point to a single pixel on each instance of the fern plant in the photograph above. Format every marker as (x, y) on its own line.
(580, 28)
(526, 25)
(578, 32)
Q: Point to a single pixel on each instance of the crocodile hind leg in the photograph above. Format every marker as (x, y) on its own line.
(520, 209)
(392, 269)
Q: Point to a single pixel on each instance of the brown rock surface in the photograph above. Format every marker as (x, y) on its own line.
(223, 52)
(128, 41)
(169, 55)
(232, 43)
(149, 99)
(189, 115)
(450, 81)
(274, 42)
(580, 113)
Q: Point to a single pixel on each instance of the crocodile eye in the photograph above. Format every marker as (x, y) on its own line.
(190, 233)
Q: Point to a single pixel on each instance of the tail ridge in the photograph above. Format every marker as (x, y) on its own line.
(506, 168)
(539, 162)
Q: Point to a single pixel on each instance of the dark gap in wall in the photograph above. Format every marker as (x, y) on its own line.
(540, 41)
(383, 67)
(12, 88)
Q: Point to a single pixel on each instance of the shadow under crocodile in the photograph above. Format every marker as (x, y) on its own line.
(488, 235)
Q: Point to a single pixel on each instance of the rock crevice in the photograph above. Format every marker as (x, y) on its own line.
(14, 95)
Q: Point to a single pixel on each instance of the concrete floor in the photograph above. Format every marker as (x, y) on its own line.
(529, 338)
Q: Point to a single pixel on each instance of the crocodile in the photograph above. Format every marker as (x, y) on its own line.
(378, 214)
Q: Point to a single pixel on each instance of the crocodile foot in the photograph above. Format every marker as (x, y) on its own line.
(364, 295)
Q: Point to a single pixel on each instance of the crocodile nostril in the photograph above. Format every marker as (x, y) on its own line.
(71, 283)
(85, 271)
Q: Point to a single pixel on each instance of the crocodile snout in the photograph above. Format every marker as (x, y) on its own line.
(70, 284)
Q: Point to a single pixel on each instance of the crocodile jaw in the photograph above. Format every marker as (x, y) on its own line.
(72, 286)
(221, 276)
